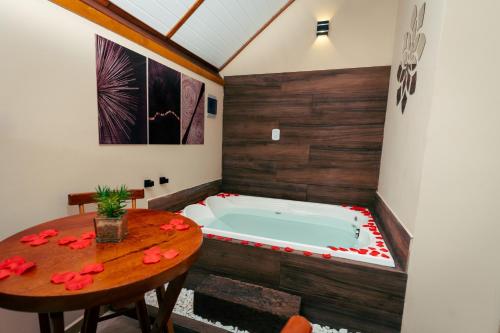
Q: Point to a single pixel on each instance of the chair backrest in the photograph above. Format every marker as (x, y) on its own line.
(81, 199)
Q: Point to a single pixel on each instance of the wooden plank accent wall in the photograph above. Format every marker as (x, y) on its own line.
(331, 124)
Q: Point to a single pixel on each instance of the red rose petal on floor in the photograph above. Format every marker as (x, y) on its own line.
(182, 227)
(288, 249)
(92, 268)
(362, 251)
(29, 238)
(176, 221)
(167, 227)
(374, 253)
(48, 233)
(4, 273)
(307, 253)
(80, 244)
(66, 240)
(88, 235)
(58, 278)
(333, 248)
(258, 244)
(79, 282)
(384, 250)
(151, 259)
(171, 254)
(244, 242)
(326, 255)
(210, 235)
(343, 249)
(275, 248)
(39, 241)
(22, 268)
(153, 250)
(385, 256)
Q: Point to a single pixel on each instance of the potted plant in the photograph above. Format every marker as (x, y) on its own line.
(111, 222)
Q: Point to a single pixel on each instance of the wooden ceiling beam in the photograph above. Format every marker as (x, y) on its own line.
(231, 58)
(111, 17)
(184, 18)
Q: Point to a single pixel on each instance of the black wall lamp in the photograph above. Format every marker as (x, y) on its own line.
(322, 28)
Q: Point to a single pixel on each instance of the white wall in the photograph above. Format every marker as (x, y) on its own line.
(48, 125)
(454, 272)
(362, 35)
(405, 134)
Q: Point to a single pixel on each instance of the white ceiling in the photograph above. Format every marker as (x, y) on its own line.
(216, 30)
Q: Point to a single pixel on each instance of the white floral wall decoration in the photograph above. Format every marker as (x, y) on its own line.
(413, 47)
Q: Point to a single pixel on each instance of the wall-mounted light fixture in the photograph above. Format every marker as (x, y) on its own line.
(322, 28)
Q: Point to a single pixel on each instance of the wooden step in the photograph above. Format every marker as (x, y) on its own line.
(247, 306)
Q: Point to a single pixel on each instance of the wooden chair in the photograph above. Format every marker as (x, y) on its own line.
(81, 199)
(297, 324)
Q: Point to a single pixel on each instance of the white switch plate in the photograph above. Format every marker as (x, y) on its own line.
(275, 134)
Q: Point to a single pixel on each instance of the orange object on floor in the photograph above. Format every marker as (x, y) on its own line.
(297, 324)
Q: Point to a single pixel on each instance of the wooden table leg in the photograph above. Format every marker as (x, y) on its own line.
(90, 320)
(170, 326)
(57, 320)
(160, 297)
(166, 307)
(142, 315)
(44, 322)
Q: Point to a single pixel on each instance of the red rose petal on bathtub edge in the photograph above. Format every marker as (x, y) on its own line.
(374, 253)
(38, 241)
(80, 244)
(167, 227)
(333, 248)
(353, 249)
(228, 239)
(22, 268)
(202, 202)
(385, 256)
(258, 244)
(79, 282)
(362, 251)
(48, 233)
(343, 249)
(88, 235)
(220, 237)
(376, 233)
(326, 255)
(176, 221)
(92, 269)
(4, 273)
(384, 250)
(171, 254)
(152, 250)
(63, 277)
(29, 238)
(210, 235)
(275, 248)
(307, 253)
(182, 227)
(288, 249)
(66, 240)
(151, 259)
(244, 242)
(365, 225)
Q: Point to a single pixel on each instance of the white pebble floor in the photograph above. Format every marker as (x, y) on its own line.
(184, 307)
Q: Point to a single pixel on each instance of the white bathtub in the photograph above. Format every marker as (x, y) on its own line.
(293, 226)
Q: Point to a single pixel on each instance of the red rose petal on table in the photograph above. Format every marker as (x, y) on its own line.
(307, 253)
(22, 268)
(171, 254)
(176, 221)
(48, 233)
(79, 282)
(167, 227)
(4, 273)
(182, 227)
(12, 262)
(258, 244)
(39, 241)
(151, 259)
(92, 268)
(153, 250)
(63, 277)
(326, 255)
(88, 235)
(385, 256)
(288, 249)
(80, 244)
(244, 242)
(29, 238)
(374, 253)
(66, 240)
(275, 248)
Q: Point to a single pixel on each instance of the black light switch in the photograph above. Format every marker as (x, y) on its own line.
(163, 180)
(149, 183)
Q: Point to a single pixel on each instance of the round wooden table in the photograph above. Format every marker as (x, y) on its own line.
(125, 276)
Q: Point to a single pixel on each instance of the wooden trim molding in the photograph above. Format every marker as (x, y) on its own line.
(184, 18)
(282, 9)
(397, 237)
(179, 200)
(102, 14)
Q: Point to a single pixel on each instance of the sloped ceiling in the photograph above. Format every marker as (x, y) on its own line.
(215, 31)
